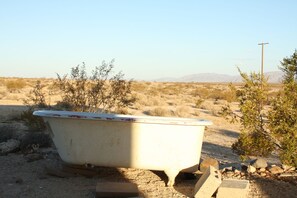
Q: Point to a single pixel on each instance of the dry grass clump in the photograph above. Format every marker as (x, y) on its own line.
(159, 111)
(139, 86)
(198, 103)
(171, 89)
(148, 100)
(200, 92)
(182, 111)
(15, 85)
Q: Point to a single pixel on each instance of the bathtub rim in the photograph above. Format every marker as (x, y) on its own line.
(122, 118)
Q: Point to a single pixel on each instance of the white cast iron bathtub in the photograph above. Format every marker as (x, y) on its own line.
(112, 140)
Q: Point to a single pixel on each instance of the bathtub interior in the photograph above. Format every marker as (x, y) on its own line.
(123, 118)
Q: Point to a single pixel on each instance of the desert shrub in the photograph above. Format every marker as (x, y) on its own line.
(34, 123)
(275, 128)
(159, 111)
(182, 111)
(198, 103)
(254, 138)
(283, 115)
(98, 92)
(6, 132)
(33, 141)
(201, 92)
(138, 86)
(35, 100)
(172, 89)
(221, 94)
(254, 143)
(15, 85)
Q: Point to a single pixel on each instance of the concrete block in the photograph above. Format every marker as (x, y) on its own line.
(208, 183)
(116, 189)
(233, 188)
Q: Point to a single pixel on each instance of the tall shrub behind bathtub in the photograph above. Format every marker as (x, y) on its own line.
(80, 92)
(95, 93)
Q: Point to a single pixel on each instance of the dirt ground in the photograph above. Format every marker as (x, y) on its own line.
(21, 178)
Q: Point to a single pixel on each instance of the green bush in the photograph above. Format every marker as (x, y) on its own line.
(254, 138)
(33, 141)
(272, 130)
(283, 115)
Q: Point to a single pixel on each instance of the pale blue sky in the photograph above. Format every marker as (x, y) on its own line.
(148, 39)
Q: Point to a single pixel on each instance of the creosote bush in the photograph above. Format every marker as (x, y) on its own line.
(96, 93)
(283, 115)
(274, 129)
(99, 92)
(254, 137)
(35, 100)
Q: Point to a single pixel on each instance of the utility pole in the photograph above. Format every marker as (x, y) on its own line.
(262, 72)
(262, 60)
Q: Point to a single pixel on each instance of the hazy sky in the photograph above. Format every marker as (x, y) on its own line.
(148, 39)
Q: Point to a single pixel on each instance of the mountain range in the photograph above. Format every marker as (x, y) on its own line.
(273, 77)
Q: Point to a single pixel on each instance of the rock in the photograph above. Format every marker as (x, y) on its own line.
(263, 174)
(276, 170)
(229, 174)
(261, 170)
(207, 163)
(290, 174)
(259, 163)
(231, 166)
(236, 171)
(288, 168)
(9, 146)
(33, 157)
(251, 169)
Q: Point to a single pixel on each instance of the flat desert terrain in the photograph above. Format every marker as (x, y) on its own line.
(25, 175)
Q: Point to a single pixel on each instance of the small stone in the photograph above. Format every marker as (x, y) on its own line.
(229, 174)
(205, 164)
(259, 163)
(276, 170)
(262, 170)
(288, 168)
(9, 146)
(286, 175)
(263, 174)
(229, 168)
(33, 157)
(251, 169)
(236, 171)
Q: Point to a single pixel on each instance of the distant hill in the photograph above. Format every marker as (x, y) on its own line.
(273, 77)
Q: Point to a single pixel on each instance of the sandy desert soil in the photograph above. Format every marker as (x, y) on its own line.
(20, 178)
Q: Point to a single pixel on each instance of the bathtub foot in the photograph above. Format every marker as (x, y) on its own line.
(171, 174)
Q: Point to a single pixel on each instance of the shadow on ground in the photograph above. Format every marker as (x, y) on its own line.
(221, 153)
